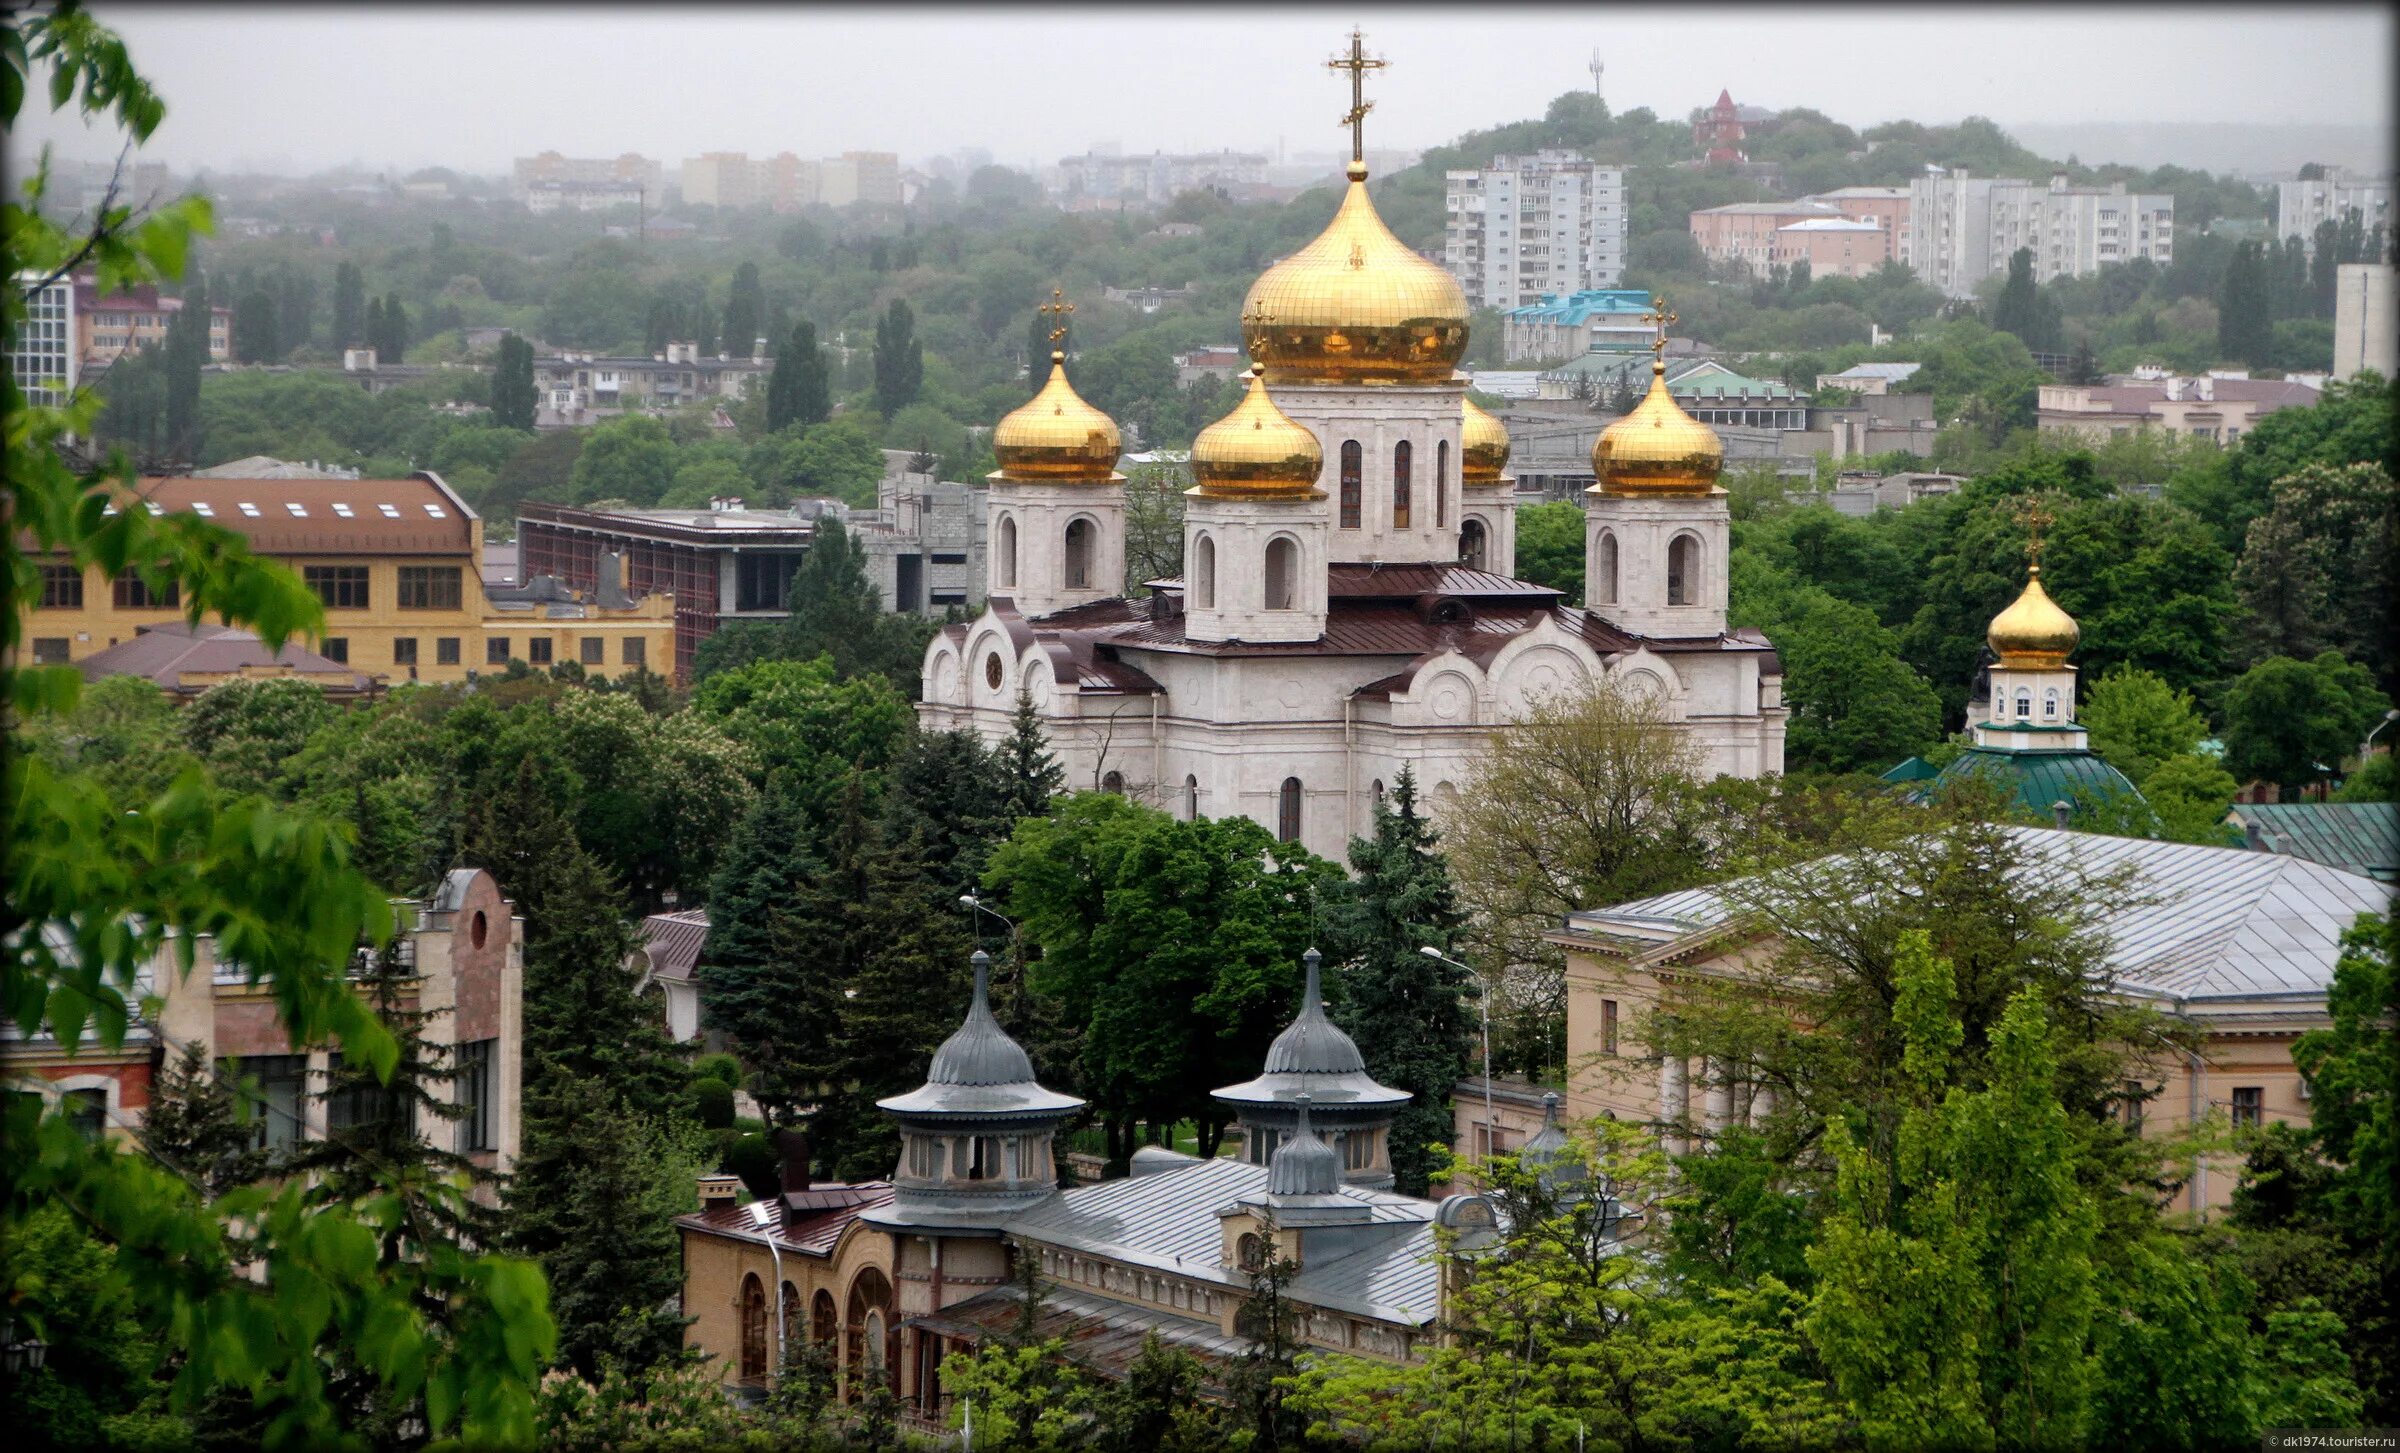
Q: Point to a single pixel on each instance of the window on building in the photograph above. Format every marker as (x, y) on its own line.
(2249, 1106)
(336, 648)
(1250, 1249)
(404, 651)
(1441, 484)
(537, 651)
(134, 593)
(62, 587)
(87, 1110)
(50, 651)
(1608, 1026)
(635, 651)
(341, 587)
(1008, 550)
(753, 1329)
(594, 651)
(2130, 1098)
(1683, 570)
(429, 587)
(1191, 799)
(361, 1104)
(1079, 554)
(477, 1066)
(762, 579)
(445, 650)
(1283, 574)
(1287, 811)
(495, 650)
(2050, 704)
(276, 1086)
(1204, 573)
(1473, 544)
(1351, 486)
(1358, 1150)
(2025, 705)
(1604, 589)
(1113, 782)
(1401, 456)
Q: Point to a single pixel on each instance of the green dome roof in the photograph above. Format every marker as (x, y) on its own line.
(2039, 778)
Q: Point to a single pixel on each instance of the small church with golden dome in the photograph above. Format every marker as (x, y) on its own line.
(1349, 604)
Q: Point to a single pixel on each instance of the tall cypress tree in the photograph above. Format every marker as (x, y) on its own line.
(1409, 1013)
(2018, 308)
(349, 306)
(798, 391)
(745, 311)
(371, 327)
(514, 398)
(186, 353)
(899, 359)
(2245, 331)
(393, 347)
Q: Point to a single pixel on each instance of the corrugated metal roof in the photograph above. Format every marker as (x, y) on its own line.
(2356, 837)
(2196, 923)
(673, 940)
(807, 1231)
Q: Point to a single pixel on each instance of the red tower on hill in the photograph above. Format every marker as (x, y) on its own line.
(1719, 132)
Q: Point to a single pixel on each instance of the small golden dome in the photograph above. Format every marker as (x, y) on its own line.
(1056, 436)
(2033, 633)
(1356, 306)
(1257, 451)
(1657, 449)
(1482, 446)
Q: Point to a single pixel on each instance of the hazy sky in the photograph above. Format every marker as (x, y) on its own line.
(472, 86)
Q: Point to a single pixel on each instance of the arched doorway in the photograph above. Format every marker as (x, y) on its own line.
(753, 1311)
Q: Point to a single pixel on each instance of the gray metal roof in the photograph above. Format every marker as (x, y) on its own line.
(979, 1070)
(2356, 837)
(1313, 1057)
(1303, 1165)
(2196, 924)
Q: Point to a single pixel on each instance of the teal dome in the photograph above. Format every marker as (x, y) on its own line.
(2037, 779)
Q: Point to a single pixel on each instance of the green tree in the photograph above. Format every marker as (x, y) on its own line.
(514, 397)
(186, 353)
(2189, 796)
(1034, 775)
(1550, 548)
(254, 333)
(2018, 309)
(124, 734)
(631, 459)
(200, 1127)
(745, 311)
(1855, 704)
(349, 306)
(2245, 315)
(98, 1384)
(799, 717)
(701, 480)
(2315, 571)
(799, 388)
(836, 460)
(899, 359)
(248, 730)
(392, 345)
(2292, 722)
(2137, 721)
(1407, 1011)
(757, 981)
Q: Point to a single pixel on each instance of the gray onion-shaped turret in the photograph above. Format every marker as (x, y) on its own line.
(1304, 1165)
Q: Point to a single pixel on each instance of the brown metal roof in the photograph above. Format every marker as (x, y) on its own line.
(810, 1229)
(1409, 580)
(418, 515)
(164, 654)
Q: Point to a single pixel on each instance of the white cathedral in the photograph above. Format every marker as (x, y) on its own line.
(1349, 605)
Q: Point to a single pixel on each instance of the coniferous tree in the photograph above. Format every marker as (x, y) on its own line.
(1409, 1013)
(349, 307)
(745, 311)
(952, 793)
(2018, 308)
(2245, 331)
(899, 359)
(2325, 261)
(2084, 366)
(514, 398)
(295, 309)
(704, 330)
(186, 353)
(798, 390)
(1034, 775)
(393, 347)
(758, 975)
(255, 337)
(196, 1125)
(371, 327)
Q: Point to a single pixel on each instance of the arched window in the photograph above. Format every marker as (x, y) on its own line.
(824, 1322)
(791, 1320)
(1379, 792)
(1079, 554)
(1441, 484)
(2050, 704)
(1683, 570)
(1604, 589)
(1204, 573)
(1402, 454)
(1472, 545)
(1287, 812)
(1191, 799)
(1113, 782)
(1008, 550)
(870, 1355)
(1350, 484)
(2025, 705)
(1250, 1251)
(1283, 573)
(754, 1329)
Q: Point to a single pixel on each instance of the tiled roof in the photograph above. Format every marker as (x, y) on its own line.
(418, 515)
(672, 941)
(164, 654)
(810, 1228)
(2356, 837)
(2196, 923)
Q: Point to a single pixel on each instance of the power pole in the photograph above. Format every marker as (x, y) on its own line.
(1597, 68)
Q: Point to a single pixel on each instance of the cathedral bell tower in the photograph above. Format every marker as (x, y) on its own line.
(1657, 527)
(1487, 526)
(1057, 503)
(1254, 527)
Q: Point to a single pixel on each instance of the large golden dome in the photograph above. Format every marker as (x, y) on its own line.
(1257, 452)
(1356, 306)
(1056, 436)
(1657, 449)
(1482, 446)
(2033, 634)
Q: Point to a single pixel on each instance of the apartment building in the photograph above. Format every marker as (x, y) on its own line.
(42, 356)
(2302, 206)
(2218, 406)
(1744, 232)
(1886, 207)
(1553, 222)
(1580, 322)
(787, 183)
(872, 177)
(577, 389)
(107, 327)
(1965, 229)
(397, 563)
(543, 198)
(2362, 320)
(1833, 246)
(631, 170)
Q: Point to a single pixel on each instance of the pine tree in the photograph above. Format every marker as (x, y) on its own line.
(745, 311)
(899, 359)
(1408, 1012)
(582, 1017)
(186, 353)
(952, 793)
(514, 398)
(2245, 332)
(196, 1126)
(2084, 366)
(394, 345)
(758, 970)
(349, 306)
(1034, 776)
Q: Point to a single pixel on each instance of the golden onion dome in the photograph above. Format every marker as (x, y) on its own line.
(1482, 446)
(1657, 449)
(2033, 633)
(1257, 451)
(1356, 306)
(1056, 436)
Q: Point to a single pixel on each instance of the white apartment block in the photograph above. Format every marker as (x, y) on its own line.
(543, 198)
(2301, 206)
(1964, 229)
(1553, 223)
(2363, 339)
(632, 169)
(1157, 178)
(788, 183)
(43, 357)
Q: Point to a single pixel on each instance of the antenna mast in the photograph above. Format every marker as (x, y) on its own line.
(1597, 68)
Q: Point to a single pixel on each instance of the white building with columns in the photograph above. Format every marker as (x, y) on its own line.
(1349, 606)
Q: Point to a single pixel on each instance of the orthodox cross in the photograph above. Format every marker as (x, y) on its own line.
(1057, 308)
(1357, 64)
(2034, 514)
(1658, 317)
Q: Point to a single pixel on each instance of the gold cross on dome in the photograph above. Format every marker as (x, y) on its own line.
(1059, 308)
(2033, 512)
(1658, 317)
(1357, 64)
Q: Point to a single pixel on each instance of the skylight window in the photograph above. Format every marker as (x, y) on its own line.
(204, 509)
(156, 508)
(342, 509)
(299, 510)
(390, 512)
(436, 512)
(250, 509)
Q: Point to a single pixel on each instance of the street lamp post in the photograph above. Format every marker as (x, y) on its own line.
(2369, 744)
(1483, 1001)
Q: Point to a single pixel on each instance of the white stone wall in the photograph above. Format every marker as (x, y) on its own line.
(1645, 528)
(1225, 549)
(1495, 507)
(1038, 516)
(1429, 418)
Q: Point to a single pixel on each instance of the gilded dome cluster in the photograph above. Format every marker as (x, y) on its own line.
(1657, 449)
(1257, 451)
(2034, 633)
(1056, 437)
(1357, 305)
(1482, 446)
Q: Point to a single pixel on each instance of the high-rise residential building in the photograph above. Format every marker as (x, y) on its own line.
(550, 168)
(42, 357)
(2362, 320)
(2300, 206)
(1964, 229)
(1553, 222)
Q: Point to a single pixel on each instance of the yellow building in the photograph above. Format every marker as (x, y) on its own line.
(398, 563)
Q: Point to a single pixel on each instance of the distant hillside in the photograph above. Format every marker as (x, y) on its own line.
(2213, 147)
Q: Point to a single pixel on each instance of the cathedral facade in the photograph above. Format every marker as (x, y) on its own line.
(1349, 605)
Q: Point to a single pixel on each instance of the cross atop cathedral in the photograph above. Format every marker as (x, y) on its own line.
(1058, 308)
(1658, 317)
(2033, 512)
(1357, 64)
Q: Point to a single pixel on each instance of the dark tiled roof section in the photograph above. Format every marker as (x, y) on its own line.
(161, 654)
(410, 528)
(811, 1229)
(672, 940)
